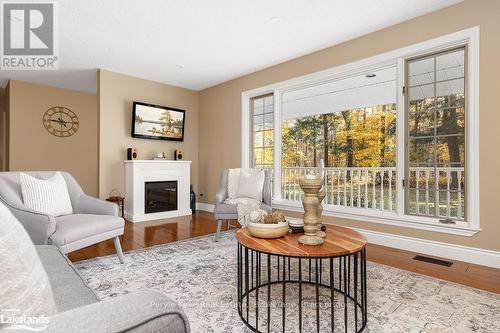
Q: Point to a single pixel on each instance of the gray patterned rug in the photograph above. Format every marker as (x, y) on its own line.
(201, 276)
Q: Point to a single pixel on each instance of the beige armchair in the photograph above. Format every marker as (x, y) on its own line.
(92, 221)
(229, 212)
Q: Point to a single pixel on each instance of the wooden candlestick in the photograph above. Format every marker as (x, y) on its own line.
(321, 197)
(311, 186)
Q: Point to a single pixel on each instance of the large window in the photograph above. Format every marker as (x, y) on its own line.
(262, 131)
(436, 135)
(347, 126)
(394, 136)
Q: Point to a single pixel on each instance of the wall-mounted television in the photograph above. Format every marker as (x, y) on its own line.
(157, 122)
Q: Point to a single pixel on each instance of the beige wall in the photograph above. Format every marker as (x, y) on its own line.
(33, 148)
(116, 94)
(220, 106)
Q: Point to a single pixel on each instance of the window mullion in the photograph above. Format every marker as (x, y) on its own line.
(436, 174)
(400, 139)
(277, 146)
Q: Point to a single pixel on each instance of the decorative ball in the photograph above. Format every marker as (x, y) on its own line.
(255, 216)
(279, 216)
(269, 219)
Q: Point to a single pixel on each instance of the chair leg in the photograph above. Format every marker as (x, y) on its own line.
(118, 248)
(217, 233)
(228, 224)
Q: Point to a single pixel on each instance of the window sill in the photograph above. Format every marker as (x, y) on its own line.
(383, 217)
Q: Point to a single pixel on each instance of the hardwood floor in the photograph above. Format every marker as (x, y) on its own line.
(477, 276)
(144, 234)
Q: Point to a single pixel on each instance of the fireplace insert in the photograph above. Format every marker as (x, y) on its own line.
(160, 196)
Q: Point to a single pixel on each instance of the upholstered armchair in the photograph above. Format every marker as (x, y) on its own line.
(229, 212)
(92, 221)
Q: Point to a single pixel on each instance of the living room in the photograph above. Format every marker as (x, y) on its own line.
(249, 166)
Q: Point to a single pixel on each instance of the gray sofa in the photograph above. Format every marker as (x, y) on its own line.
(80, 311)
(92, 221)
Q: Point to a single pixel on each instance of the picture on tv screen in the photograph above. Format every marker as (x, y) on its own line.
(157, 122)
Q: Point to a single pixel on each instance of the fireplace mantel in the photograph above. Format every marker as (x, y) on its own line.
(138, 172)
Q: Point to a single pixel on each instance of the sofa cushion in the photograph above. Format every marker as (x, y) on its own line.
(25, 286)
(142, 311)
(49, 196)
(69, 290)
(71, 228)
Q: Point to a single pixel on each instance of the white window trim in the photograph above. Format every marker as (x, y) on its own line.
(396, 57)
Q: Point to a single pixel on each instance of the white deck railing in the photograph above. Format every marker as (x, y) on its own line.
(375, 188)
(448, 195)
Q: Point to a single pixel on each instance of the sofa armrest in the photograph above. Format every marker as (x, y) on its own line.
(37, 224)
(91, 205)
(141, 311)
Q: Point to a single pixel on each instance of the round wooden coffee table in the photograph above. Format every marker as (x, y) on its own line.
(286, 286)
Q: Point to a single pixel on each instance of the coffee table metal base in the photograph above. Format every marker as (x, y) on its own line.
(338, 285)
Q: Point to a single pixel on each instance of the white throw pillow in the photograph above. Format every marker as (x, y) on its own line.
(233, 181)
(251, 184)
(49, 196)
(25, 287)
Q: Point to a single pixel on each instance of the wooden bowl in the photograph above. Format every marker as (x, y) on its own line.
(261, 230)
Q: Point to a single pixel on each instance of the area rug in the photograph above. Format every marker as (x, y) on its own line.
(201, 276)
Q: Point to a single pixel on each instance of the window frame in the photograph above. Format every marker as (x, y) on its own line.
(468, 37)
(407, 177)
(252, 131)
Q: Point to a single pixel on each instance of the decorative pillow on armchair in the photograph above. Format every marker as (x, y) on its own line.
(251, 184)
(25, 287)
(49, 196)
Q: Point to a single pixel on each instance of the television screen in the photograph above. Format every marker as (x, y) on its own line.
(157, 122)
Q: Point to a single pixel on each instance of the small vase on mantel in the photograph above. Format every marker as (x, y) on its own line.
(311, 186)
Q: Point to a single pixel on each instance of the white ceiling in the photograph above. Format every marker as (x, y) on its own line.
(198, 44)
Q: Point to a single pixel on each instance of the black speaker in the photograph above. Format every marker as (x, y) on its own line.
(131, 154)
(178, 155)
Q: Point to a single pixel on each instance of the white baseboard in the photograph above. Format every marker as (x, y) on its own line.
(205, 206)
(445, 250)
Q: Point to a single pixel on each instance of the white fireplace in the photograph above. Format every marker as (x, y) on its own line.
(156, 189)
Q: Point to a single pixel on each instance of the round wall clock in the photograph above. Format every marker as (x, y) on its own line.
(60, 121)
